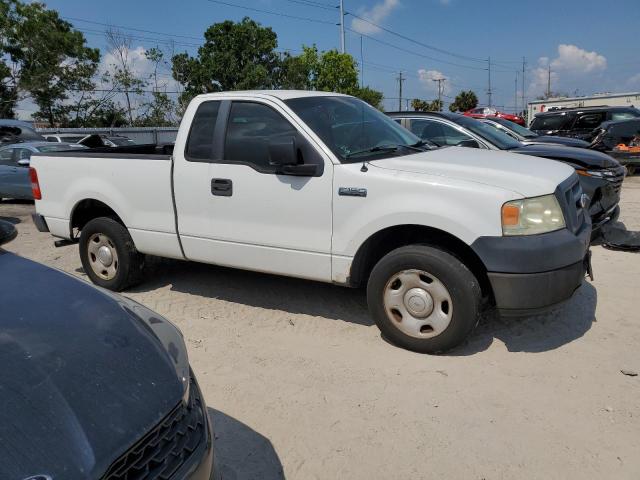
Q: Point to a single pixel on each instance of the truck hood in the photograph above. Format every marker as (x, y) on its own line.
(582, 157)
(85, 373)
(527, 176)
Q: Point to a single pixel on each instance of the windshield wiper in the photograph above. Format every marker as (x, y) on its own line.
(381, 148)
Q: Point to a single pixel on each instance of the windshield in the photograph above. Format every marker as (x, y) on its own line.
(352, 129)
(514, 127)
(491, 134)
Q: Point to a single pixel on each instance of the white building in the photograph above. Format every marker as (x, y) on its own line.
(608, 99)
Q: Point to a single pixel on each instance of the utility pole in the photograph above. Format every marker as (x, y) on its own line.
(489, 92)
(440, 90)
(515, 97)
(342, 46)
(549, 82)
(361, 64)
(524, 105)
(400, 80)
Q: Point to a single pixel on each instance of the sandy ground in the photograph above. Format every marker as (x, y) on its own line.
(301, 385)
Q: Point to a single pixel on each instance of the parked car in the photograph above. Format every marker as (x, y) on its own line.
(484, 112)
(528, 137)
(600, 175)
(621, 140)
(64, 137)
(14, 166)
(94, 385)
(578, 122)
(15, 131)
(325, 187)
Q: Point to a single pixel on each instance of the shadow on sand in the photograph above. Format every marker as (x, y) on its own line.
(241, 453)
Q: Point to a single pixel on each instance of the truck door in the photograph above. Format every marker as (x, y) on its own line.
(235, 209)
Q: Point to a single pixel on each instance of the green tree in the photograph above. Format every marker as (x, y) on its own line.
(235, 56)
(337, 72)
(160, 109)
(372, 97)
(300, 72)
(49, 59)
(425, 106)
(465, 100)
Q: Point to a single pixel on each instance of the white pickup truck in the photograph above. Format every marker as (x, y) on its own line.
(324, 187)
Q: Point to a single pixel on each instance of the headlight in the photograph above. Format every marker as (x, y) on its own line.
(591, 173)
(530, 216)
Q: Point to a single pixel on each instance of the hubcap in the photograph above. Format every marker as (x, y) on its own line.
(103, 257)
(418, 304)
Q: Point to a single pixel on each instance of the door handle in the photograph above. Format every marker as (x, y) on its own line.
(222, 187)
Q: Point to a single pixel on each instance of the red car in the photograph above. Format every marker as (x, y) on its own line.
(485, 112)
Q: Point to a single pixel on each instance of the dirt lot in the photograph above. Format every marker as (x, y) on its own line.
(301, 385)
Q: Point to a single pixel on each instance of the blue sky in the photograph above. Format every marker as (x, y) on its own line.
(592, 46)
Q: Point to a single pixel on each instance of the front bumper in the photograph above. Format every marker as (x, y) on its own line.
(532, 273)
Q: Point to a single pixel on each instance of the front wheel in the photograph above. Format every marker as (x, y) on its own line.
(109, 256)
(423, 299)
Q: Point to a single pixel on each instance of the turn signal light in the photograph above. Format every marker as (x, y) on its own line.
(35, 185)
(510, 215)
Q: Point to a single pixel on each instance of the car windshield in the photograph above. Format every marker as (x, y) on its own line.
(491, 134)
(354, 130)
(551, 122)
(514, 127)
(59, 147)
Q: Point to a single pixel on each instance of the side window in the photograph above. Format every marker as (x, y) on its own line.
(23, 154)
(437, 132)
(251, 127)
(200, 142)
(6, 157)
(622, 115)
(589, 121)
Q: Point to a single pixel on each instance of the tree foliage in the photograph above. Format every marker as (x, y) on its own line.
(465, 100)
(426, 106)
(47, 58)
(235, 56)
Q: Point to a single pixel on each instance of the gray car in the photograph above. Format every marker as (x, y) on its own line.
(14, 166)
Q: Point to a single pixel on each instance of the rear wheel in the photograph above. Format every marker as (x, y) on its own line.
(631, 170)
(423, 299)
(109, 256)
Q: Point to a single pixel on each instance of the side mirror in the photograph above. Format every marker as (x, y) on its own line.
(469, 143)
(7, 232)
(24, 162)
(283, 151)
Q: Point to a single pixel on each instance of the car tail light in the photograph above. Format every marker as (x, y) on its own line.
(35, 185)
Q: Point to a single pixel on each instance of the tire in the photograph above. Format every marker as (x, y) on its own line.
(631, 170)
(103, 239)
(401, 310)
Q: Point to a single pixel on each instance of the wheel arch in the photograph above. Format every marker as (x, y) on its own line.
(384, 241)
(86, 210)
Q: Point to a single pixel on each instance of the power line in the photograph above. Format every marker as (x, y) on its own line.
(111, 25)
(409, 39)
(270, 12)
(308, 3)
(382, 42)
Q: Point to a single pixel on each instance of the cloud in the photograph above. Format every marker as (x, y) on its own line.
(427, 78)
(375, 14)
(570, 66)
(575, 59)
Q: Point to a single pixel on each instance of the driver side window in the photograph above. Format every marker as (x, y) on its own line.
(6, 158)
(251, 128)
(437, 132)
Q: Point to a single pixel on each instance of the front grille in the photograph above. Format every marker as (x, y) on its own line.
(615, 177)
(574, 212)
(165, 449)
